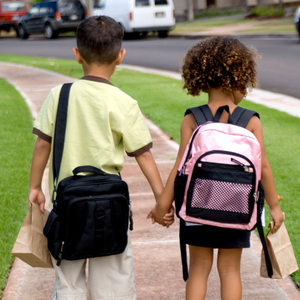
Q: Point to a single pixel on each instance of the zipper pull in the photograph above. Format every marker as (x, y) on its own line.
(246, 169)
(255, 197)
(182, 171)
(60, 254)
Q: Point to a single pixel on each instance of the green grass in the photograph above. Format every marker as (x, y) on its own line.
(278, 22)
(270, 30)
(211, 23)
(164, 102)
(257, 26)
(16, 145)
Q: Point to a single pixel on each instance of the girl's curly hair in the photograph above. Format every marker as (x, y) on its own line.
(219, 62)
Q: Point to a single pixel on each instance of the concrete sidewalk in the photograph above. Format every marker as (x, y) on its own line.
(156, 249)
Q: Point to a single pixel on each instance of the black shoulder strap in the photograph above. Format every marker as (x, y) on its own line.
(260, 207)
(241, 116)
(60, 130)
(202, 114)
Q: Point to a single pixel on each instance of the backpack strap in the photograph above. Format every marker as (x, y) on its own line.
(260, 207)
(59, 134)
(185, 271)
(202, 114)
(241, 116)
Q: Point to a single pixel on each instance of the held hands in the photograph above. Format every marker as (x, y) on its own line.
(37, 196)
(159, 216)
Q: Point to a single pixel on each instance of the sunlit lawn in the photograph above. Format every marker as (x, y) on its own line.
(16, 145)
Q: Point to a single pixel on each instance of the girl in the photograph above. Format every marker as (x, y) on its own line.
(222, 67)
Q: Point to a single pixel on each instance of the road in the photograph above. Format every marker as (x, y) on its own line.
(278, 70)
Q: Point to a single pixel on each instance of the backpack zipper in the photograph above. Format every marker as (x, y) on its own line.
(246, 168)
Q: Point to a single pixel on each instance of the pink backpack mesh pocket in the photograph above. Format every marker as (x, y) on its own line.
(221, 196)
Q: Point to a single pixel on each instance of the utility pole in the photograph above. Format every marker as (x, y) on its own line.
(90, 6)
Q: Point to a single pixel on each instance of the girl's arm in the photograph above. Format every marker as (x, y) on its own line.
(267, 178)
(164, 204)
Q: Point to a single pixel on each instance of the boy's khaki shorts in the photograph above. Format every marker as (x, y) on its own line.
(109, 278)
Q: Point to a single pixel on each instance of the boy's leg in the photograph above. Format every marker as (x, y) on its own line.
(112, 277)
(201, 260)
(70, 280)
(229, 264)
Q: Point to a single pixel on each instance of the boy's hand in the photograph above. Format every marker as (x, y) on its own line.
(157, 215)
(38, 197)
(169, 217)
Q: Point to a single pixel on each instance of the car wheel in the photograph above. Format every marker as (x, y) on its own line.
(163, 33)
(22, 34)
(49, 32)
(17, 31)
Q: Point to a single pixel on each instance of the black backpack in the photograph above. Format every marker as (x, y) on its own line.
(91, 212)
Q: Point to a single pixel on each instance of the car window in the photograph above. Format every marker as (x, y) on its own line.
(142, 3)
(43, 10)
(99, 4)
(13, 6)
(161, 2)
(69, 6)
(35, 9)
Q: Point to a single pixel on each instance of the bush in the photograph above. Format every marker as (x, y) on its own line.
(268, 11)
(218, 12)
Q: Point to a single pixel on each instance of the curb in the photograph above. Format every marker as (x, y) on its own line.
(293, 36)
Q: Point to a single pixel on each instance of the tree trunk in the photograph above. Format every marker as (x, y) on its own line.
(190, 9)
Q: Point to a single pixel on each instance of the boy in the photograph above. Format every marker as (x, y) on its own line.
(102, 122)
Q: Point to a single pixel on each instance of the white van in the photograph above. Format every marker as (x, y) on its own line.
(139, 16)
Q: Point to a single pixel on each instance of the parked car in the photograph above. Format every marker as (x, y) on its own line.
(139, 16)
(10, 12)
(297, 20)
(52, 17)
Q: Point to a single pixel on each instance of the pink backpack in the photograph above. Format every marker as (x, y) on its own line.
(218, 177)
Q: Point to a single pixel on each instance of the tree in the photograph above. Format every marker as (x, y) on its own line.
(190, 9)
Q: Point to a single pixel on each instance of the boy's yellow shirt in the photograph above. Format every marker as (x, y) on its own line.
(102, 121)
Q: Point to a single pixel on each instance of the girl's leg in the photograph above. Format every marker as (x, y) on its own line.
(229, 263)
(201, 260)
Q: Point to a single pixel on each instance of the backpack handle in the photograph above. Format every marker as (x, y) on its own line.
(90, 169)
(219, 112)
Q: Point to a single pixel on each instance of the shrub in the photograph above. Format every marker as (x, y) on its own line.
(216, 12)
(268, 11)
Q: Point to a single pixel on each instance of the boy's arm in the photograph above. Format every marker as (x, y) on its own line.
(149, 169)
(165, 202)
(40, 158)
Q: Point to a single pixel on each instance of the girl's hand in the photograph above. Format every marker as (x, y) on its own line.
(156, 215)
(169, 217)
(277, 216)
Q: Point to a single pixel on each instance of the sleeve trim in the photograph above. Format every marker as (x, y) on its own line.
(141, 150)
(42, 135)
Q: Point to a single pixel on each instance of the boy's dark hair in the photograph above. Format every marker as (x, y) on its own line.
(99, 39)
(219, 62)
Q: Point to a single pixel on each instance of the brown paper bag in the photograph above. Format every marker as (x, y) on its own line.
(31, 245)
(281, 254)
